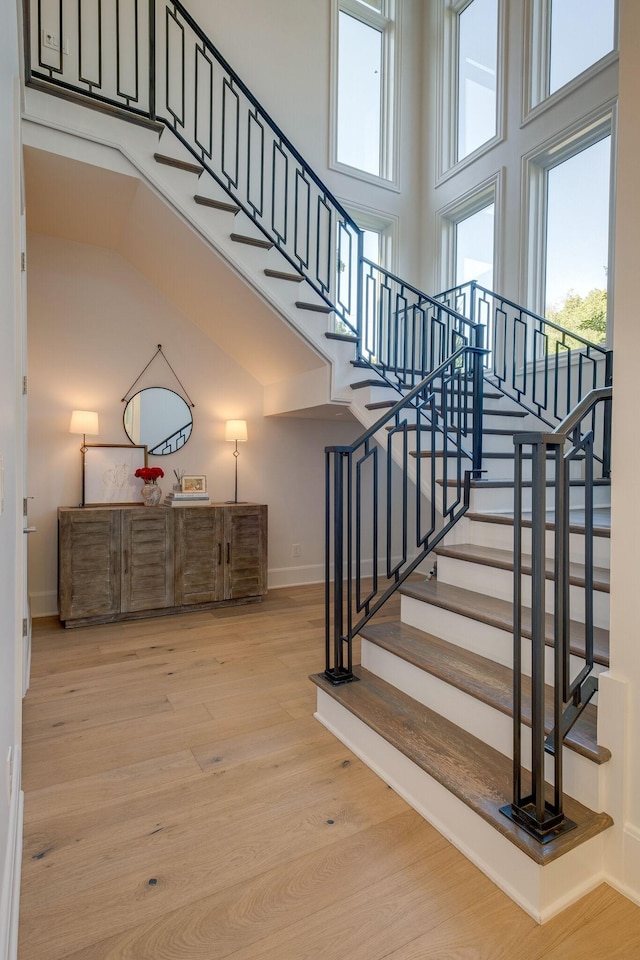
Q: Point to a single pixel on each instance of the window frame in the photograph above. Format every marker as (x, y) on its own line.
(563, 146)
(448, 95)
(388, 23)
(447, 219)
(536, 58)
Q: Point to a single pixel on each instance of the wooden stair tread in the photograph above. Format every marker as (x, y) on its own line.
(251, 241)
(481, 484)
(225, 205)
(186, 165)
(381, 405)
(503, 560)
(317, 307)
(284, 275)
(360, 384)
(346, 337)
(575, 525)
(481, 678)
(472, 771)
(499, 614)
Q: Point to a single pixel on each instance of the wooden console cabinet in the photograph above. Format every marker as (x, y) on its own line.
(118, 563)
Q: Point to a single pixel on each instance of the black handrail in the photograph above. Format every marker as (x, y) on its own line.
(542, 817)
(433, 421)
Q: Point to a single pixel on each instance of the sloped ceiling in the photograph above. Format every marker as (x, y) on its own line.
(77, 201)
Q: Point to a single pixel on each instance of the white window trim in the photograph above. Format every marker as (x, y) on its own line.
(580, 135)
(447, 106)
(385, 224)
(389, 22)
(536, 98)
(488, 192)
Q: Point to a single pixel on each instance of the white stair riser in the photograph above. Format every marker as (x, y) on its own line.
(581, 777)
(488, 534)
(499, 583)
(541, 891)
(481, 638)
(501, 499)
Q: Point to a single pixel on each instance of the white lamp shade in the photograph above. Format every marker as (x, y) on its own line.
(84, 421)
(236, 430)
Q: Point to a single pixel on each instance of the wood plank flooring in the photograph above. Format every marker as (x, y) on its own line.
(181, 803)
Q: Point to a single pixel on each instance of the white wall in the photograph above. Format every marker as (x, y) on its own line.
(625, 519)
(11, 535)
(94, 323)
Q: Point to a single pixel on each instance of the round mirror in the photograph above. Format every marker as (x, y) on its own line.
(159, 418)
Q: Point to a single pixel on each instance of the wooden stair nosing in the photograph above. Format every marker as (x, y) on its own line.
(251, 241)
(345, 337)
(284, 275)
(503, 560)
(360, 384)
(488, 413)
(381, 405)
(225, 205)
(508, 484)
(472, 771)
(499, 614)
(185, 165)
(315, 307)
(481, 678)
(506, 519)
(498, 455)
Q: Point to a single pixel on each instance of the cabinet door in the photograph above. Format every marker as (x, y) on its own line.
(245, 548)
(198, 554)
(147, 559)
(89, 563)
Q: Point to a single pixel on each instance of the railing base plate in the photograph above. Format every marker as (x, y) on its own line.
(338, 675)
(551, 827)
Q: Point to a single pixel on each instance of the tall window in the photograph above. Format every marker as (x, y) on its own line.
(474, 247)
(577, 247)
(568, 38)
(477, 75)
(364, 94)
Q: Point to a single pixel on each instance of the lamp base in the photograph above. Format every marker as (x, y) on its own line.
(236, 501)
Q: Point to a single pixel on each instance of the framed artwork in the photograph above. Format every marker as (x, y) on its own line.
(108, 474)
(197, 484)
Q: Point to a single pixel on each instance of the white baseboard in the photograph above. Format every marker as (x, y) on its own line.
(295, 576)
(10, 892)
(44, 603)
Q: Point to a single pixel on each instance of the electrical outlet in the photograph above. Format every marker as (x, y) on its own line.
(296, 550)
(50, 40)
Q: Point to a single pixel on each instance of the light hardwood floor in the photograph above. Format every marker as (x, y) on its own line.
(182, 802)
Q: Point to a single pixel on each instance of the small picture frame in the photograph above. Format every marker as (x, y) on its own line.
(108, 474)
(193, 484)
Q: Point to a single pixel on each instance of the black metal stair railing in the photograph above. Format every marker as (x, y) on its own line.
(149, 59)
(405, 333)
(382, 518)
(543, 367)
(553, 455)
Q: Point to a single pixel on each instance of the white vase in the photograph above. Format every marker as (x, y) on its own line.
(151, 494)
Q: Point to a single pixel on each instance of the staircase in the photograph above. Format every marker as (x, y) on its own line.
(432, 708)
(443, 385)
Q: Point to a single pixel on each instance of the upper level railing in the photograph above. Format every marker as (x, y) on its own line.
(542, 366)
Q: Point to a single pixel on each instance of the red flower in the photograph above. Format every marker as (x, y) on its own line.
(149, 474)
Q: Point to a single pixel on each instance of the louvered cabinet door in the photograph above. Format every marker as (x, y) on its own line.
(88, 563)
(199, 554)
(147, 559)
(245, 551)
